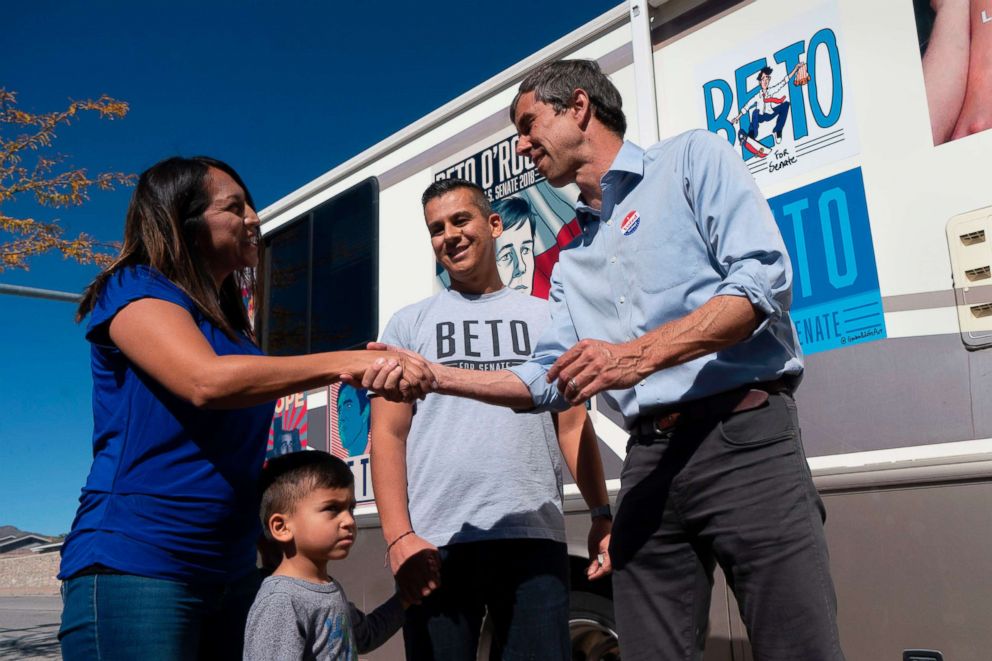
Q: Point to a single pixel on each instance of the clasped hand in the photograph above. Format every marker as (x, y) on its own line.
(598, 542)
(416, 564)
(592, 366)
(396, 374)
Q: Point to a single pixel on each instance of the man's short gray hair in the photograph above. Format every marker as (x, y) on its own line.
(555, 82)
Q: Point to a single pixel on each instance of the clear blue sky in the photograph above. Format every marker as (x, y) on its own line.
(283, 92)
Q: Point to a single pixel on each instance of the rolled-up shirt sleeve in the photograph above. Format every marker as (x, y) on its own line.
(733, 216)
(556, 339)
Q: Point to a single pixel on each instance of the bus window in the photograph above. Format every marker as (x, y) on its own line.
(321, 276)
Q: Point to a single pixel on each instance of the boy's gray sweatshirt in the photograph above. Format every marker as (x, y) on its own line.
(296, 619)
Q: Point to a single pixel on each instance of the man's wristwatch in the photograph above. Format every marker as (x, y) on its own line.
(602, 511)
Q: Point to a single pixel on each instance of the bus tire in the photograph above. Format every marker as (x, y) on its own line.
(592, 628)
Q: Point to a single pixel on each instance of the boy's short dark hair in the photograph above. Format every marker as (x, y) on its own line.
(289, 478)
(445, 186)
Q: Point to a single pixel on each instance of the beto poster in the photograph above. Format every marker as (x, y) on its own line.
(836, 299)
(538, 219)
(781, 97)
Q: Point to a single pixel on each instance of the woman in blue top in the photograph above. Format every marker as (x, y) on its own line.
(160, 561)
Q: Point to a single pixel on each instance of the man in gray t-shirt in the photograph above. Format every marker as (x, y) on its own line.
(469, 494)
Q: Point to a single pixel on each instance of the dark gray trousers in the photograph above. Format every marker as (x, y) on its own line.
(733, 489)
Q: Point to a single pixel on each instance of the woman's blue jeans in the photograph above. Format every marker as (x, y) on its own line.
(106, 617)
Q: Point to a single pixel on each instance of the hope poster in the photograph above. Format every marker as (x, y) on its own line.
(288, 432)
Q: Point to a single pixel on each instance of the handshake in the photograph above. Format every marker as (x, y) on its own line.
(396, 374)
(587, 368)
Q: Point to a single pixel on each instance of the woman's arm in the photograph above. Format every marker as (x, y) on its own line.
(163, 341)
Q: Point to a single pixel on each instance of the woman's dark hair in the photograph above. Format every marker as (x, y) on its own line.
(163, 221)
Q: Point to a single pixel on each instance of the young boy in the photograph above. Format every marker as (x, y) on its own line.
(308, 500)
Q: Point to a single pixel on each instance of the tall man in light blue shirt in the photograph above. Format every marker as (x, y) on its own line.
(673, 306)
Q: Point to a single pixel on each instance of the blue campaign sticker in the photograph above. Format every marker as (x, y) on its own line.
(836, 300)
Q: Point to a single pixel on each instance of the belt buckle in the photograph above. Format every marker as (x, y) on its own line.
(664, 423)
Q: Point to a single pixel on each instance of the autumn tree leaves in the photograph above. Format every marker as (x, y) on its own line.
(30, 168)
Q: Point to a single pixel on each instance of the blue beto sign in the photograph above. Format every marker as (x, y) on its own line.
(835, 296)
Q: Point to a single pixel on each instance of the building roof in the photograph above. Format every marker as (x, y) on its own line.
(47, 548)
(21, 542)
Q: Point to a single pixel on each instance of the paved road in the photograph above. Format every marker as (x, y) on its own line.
(28, 626)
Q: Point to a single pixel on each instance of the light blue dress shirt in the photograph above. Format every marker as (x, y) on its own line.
(681, 222)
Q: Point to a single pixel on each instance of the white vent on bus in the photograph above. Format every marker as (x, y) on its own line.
(981, 273)
(971, 268)
(984, 310)
(971, 238)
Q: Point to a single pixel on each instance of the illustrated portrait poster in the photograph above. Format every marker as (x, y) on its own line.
(348, 435)
(538, 219)
(347, 420)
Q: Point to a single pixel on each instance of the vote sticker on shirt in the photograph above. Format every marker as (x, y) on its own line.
(630, 222)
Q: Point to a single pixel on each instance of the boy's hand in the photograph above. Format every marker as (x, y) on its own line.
(599, 548)
(416, 564)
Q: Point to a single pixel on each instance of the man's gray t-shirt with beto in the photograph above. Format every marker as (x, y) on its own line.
(475, 471)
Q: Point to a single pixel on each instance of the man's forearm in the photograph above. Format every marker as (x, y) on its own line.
(389, 483)
(580, 449)
(593, 366)
(502, 388)
(721, 322)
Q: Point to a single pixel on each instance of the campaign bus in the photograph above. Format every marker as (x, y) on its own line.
(879, 180)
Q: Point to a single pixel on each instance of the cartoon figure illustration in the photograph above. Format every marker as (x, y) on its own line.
(515, 247)
(537, 223)
(248, 298)
(769, 104)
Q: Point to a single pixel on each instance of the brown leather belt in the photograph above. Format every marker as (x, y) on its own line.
(745, 398)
